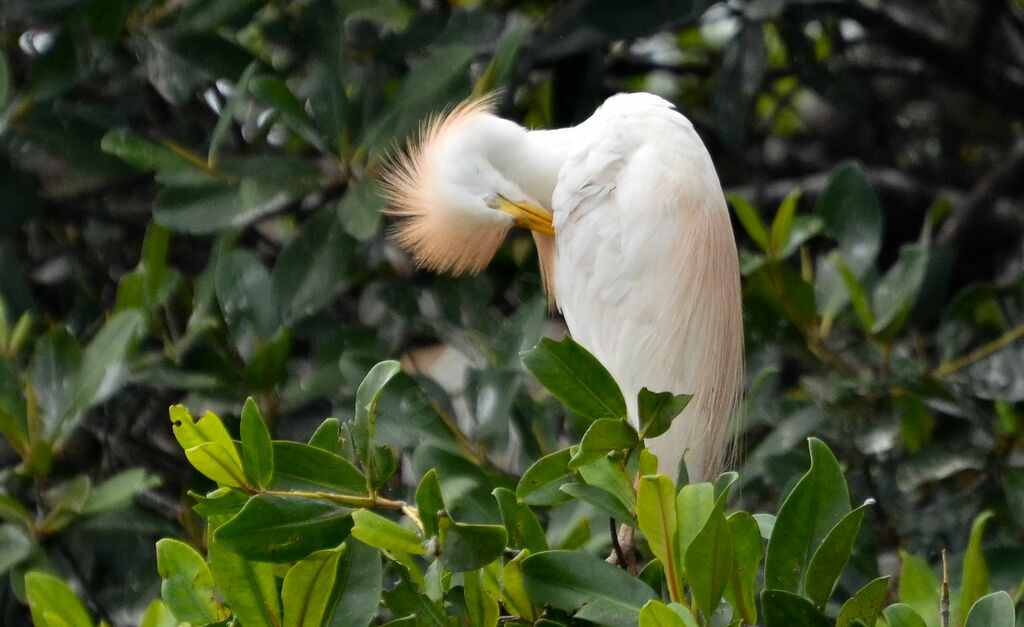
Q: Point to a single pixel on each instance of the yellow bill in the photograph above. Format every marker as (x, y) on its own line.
(527, 216)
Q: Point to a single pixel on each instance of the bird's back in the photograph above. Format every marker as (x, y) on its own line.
(646, 271)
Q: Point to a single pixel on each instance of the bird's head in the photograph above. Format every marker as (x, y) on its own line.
(449, 189)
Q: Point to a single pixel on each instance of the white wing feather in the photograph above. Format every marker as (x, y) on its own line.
(646, 270)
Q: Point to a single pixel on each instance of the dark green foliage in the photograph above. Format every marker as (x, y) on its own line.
(189, 213)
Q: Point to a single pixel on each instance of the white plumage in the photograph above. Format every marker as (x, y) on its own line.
(642, 262)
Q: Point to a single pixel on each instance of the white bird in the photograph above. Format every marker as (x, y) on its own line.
(634, 239)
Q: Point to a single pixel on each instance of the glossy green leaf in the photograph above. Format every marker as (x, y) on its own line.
(865, 605)
(217, 463)
(248, 586)
(11, 509)
(103, 361)
(818, 501)
(539, 484)
(603, 435)
(365, 426)
(15, 545)
(514, 592)
(227, 114)
(857, 294)
(481, 609)
(220, 502)
(142, 154)
(327, 436)
(831, 557)
(360, 210)
(747, 551)
(385, 534)
(610, 477)
(576, 378)
(157, 614)
(785, 609)
(300, 466)
(708, 561)
(604, 501)
(52, 602)
(257, 450)
(313, 267)
(13, 419)
(470, 546)
(243, 290)
(191, 432)
(992, 610)
(974, 583)
(897, 291)
(588, 586)
(657, 410)
(187, 588)
(273, 528)
(919, 588)
(429, 501)
(521, 524)
(307, 588)
(355, 598)
(657, 614)
(56, 360)
(694, 504)
(118, 491)
(275, 92)
(656, 517)
(750, 219)
(901, 615)
(212, 207)
(782, 224)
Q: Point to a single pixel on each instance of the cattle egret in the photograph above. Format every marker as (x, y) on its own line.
(634, 240)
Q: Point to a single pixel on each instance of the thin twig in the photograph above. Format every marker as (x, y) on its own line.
(948, 368)
(944, 600)
(620, 558)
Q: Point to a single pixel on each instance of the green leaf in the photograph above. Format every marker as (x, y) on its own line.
(657, 614)
(469, 547)
(157, 614)
(187, 587)
(831, 557)
(919, 588)
(747, 551)
(896, 292)
(103, 362)
(307, 588)
(708, 561)
(385, 534)
(858, 297)
(992, 610)
(504, 60)
(13, 419)
(257, 450)
(15, 545)
(243, 291)
(481, 609)
(313, 267)
(11, 509)
(248, 586)
(142, 154)
(818, 501)
(588, 586)
(657, 410)
(656, 517)
(429, 502)
(601, 499)
(357, 589)
(603, 435)
(56, 361)
(220, 502)
(210, 207)
(5, 80)
(365, 425)
(901, 615)
(785, 609)
(273, 528)
(327, 436)
(227, 113)
(514, 590)
(275, 92)
(694, 504)
(865, 605)
(191, 432)
(268, 365)
(360, 209)
(576, 378)
(118, 491)
(217, 463)
(750, 220)
(539, 484)
(610, 477)
(523, 528)
(302, 467)
(52, 602)
(974, 583)
(783, 222)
